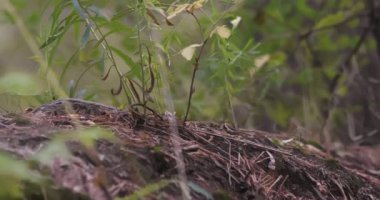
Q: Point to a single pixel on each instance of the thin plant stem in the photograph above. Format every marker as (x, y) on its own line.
(191, 91)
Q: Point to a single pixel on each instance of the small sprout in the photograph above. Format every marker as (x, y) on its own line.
(283, 142)
(235, 22)
(272, 161)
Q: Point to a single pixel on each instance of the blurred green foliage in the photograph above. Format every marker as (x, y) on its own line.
(269, 59)
(266, 62)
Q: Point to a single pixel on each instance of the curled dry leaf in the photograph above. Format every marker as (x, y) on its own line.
(191, 8)
(178, 10)
(156, 14)
(149, 12)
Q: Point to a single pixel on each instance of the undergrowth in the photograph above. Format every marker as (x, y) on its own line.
(175, 57)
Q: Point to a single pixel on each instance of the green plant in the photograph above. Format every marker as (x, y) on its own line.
(139, 72)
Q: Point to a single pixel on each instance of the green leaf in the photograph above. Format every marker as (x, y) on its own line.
(330, 20)
(19, 83)
(12, 174)
(127, 59)
(54, 37)
(86, 36)
(305, 9)
(147, 190)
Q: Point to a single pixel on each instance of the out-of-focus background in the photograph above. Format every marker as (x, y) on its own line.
(308, 67)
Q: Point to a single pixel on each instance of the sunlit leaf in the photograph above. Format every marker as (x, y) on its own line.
(20, 84)
(188, 51)
(330, 20)
(195, 6)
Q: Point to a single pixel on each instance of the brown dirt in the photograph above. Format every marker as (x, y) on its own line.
(221, 162)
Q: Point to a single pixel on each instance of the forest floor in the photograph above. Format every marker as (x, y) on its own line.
(153, 156)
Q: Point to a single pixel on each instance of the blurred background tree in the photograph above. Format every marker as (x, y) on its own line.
(268, 64)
